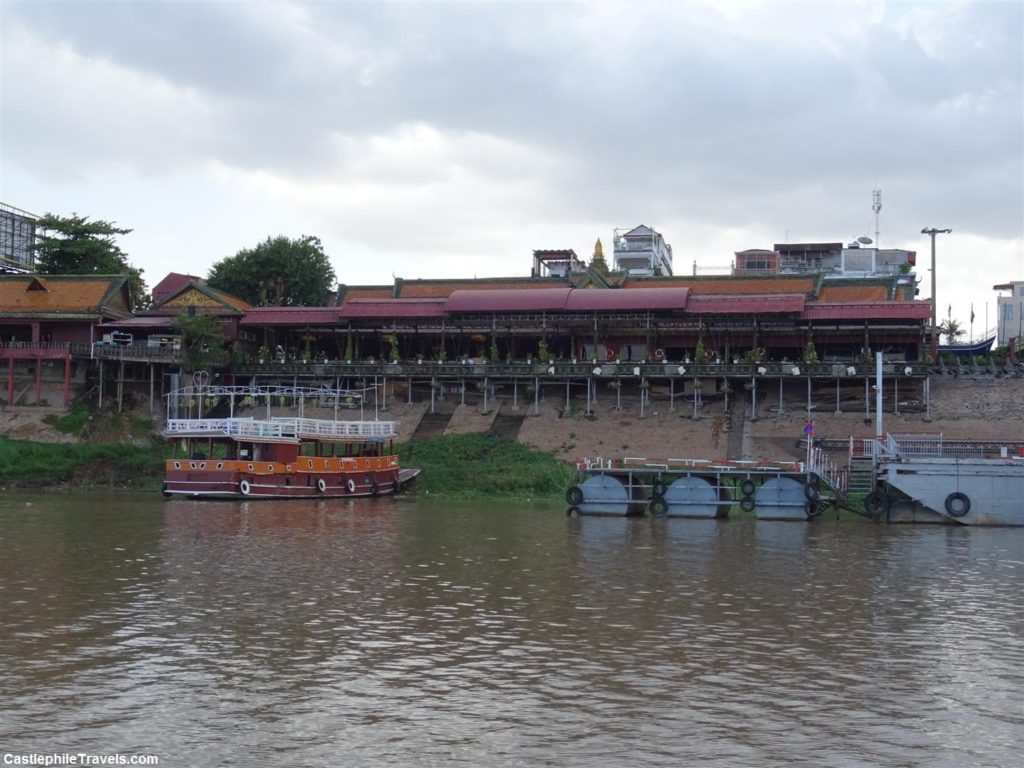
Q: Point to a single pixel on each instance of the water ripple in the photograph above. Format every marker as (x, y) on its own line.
(393, 634)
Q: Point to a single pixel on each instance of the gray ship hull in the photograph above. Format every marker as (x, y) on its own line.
(966, 491)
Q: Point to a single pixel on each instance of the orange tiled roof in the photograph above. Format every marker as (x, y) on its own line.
(438, 289)
(63, 294)
(367, 292)
(720, 286)
(845, 293)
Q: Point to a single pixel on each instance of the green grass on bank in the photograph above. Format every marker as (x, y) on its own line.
(475, 466)
(37, 465)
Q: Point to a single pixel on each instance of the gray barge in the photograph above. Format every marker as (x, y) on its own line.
(924, 478)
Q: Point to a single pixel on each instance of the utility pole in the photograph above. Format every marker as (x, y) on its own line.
(935, 333)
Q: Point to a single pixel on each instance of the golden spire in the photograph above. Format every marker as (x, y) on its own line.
(598, 261)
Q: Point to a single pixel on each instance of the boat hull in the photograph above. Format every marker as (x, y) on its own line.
(966, 491)
(195, 485)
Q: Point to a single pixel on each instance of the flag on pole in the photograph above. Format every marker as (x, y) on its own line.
(972, 312)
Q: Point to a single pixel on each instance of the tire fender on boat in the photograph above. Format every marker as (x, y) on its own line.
(958, 504)
(351, 485)
(658, 507)
(374, 489)
(574, 496)
(876, 503)
(244, 488)
(811, 492)
(747, 504)
(321, 485)
(747, 487)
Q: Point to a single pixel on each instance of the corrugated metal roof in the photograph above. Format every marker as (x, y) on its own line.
(745, 305)
(627, 299)
(290, 315)
(876, 310)
(508, 300)
(143, 321)
(388, 308)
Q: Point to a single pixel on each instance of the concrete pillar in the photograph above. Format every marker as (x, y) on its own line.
(67, 381)
(39, 378)
(10, 381)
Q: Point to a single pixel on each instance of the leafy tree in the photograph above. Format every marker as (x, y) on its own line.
(74, 245)
(951, 329)
(202, 341)
(279, 271)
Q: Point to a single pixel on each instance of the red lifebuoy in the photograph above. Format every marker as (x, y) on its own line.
(609, 354)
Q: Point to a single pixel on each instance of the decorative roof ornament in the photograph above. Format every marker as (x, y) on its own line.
(598, 263)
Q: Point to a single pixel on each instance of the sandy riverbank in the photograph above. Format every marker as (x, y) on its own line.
(990, 409)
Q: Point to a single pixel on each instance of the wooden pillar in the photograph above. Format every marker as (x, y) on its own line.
(39, 379)
(99, 403)
(120, 386)
(10, 381)
(152, 383)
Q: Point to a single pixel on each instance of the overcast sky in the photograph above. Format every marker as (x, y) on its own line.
(450, 140)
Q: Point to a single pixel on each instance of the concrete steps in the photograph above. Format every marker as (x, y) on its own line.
(507, 424)
(431, 425)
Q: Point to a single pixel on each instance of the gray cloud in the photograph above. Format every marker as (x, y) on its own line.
(470, 121)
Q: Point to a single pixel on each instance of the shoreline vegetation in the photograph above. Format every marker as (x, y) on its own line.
(467, 467)
(462, 467)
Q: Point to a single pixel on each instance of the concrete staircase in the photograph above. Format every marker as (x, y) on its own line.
(507, 424)
(859, 479)
(431, 425)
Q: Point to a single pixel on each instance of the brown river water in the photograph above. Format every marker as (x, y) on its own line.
(410, 633)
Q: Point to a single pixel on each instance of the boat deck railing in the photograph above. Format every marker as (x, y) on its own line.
(910, 447)
(283, 428)
(818, 465)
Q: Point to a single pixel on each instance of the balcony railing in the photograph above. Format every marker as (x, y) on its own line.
(582, 369)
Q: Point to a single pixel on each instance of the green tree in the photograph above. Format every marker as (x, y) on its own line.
(951, 329)
(74, 245)
(202, 341)
(279, 271)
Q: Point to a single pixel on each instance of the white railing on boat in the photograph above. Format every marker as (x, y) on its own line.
(321, 428)
(282, 428)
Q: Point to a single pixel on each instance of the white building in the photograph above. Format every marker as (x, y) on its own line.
(1009, 312)
(641, 251)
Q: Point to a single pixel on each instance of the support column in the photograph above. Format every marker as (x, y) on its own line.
(10, 382)
(39, 379)
(99, 404)
(67, 381)
(120, 386)
(536, 396)
(152, 386)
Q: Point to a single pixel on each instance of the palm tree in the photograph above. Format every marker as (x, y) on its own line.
(951, 329)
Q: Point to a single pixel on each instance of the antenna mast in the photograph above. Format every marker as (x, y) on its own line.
(876, 206)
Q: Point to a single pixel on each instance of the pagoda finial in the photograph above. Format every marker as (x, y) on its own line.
(598, 261)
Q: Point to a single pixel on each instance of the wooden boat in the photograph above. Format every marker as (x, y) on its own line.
(278, 457)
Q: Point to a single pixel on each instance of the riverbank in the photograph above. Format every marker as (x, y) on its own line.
(469, 466)
(87, 449)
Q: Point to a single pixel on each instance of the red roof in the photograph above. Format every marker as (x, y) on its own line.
(143, 322)
(627, 298)
(388, 308)
(746, 304)
(290, 315)
(508, 300)
(173, 283)
(876, 310)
